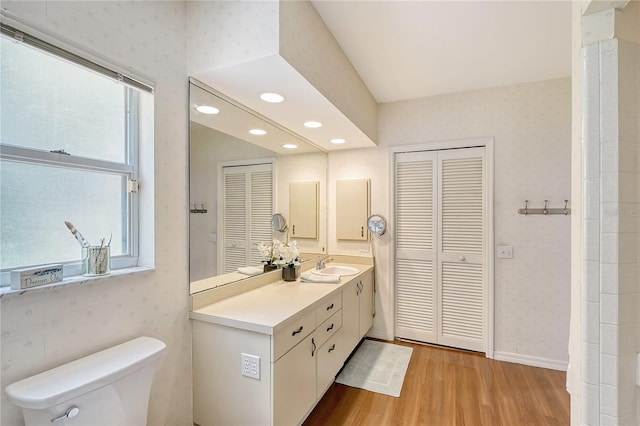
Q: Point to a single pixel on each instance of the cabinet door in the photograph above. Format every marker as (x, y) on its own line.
(365, 297)
(294, 383)
(330, 360)
(352, 209)
(303, 209)
(350, 317)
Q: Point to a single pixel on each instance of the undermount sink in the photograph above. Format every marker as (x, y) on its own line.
(336, 270)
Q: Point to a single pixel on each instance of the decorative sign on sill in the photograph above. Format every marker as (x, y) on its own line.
(34, 277)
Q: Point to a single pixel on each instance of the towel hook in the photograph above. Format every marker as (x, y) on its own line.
(546, 210)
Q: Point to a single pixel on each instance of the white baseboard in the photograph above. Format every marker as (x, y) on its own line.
(379, 334)
(534, 361)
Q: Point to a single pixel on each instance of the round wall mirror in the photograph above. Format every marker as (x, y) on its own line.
(377, 224)
(278, 222)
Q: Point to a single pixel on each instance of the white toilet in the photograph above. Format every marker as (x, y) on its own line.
(107, 388)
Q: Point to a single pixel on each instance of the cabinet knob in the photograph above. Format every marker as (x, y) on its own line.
(313, 343)
(330, 327)
(294, 229)
(297, 331)
(330, 307)
(462, 258)
(332, 347)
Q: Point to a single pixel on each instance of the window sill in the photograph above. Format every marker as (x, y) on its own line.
(75, 281)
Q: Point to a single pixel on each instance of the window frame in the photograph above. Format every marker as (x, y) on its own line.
(130, 169)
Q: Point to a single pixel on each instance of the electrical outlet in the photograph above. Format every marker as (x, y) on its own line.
(251, 366)
(505, 252)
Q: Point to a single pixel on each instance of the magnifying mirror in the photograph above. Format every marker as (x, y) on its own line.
(278, 222)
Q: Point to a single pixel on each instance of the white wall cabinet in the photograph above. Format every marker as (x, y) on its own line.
(303, 209)
(352, 209)
(298, 360)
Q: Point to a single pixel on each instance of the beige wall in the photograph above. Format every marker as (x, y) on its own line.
(531, 124)
(41, 330)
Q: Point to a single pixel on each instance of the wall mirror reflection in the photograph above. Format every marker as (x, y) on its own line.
(240, 169)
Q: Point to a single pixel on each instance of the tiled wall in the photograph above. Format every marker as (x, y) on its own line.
(45, 329)
(531, 124)
(611, 232)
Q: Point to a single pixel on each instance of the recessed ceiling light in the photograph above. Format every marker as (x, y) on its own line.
(313, 124)
(338, 141)
(273, 98)
(206, 109)
(290, 146)
(258, 132)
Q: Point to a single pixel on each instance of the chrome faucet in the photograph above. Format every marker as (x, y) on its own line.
(320, 264)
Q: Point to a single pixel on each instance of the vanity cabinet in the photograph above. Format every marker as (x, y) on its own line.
(357, 297)
(298, 359)
(330, 360)
(294, 383)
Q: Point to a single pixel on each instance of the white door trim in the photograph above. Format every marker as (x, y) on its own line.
(488, 144)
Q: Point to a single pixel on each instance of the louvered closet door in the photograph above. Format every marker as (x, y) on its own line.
(416, 268)
(440, 247)
(247, 211)
(461, 224)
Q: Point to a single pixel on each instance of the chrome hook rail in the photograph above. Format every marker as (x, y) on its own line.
(545, 210)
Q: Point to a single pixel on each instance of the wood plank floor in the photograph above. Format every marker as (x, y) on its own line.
(450, 387)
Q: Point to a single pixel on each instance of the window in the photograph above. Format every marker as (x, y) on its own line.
(68, 152)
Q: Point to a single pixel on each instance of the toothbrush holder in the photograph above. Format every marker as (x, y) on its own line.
(96, 260)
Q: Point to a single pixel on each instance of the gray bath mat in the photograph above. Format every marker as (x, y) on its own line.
(378, 367)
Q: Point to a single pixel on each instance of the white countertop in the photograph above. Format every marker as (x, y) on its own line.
(264, 308)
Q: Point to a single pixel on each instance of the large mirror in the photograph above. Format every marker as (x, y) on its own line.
(240, 179)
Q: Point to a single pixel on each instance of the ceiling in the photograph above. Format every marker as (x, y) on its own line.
(411, 49)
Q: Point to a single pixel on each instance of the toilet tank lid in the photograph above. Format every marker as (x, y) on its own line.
(85, 374)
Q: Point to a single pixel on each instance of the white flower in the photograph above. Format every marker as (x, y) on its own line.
(265, 251)
(289, 253)
(283, 254)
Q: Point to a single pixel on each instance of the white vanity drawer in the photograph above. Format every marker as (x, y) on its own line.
(330, 358)
(328, 328)
(328, 307)
(292, 332)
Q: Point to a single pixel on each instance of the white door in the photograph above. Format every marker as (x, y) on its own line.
(247, 210)
(441, 219)
(416, 246)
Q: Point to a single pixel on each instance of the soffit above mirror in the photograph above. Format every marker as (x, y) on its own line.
(283, 47)
(238, 121)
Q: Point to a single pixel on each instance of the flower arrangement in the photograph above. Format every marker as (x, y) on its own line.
(280, 253)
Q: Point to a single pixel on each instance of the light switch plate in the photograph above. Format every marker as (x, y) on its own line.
(505, 252)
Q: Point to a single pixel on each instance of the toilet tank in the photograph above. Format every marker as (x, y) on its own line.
(109, 388)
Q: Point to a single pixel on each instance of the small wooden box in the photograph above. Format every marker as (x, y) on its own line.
(34, 277)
